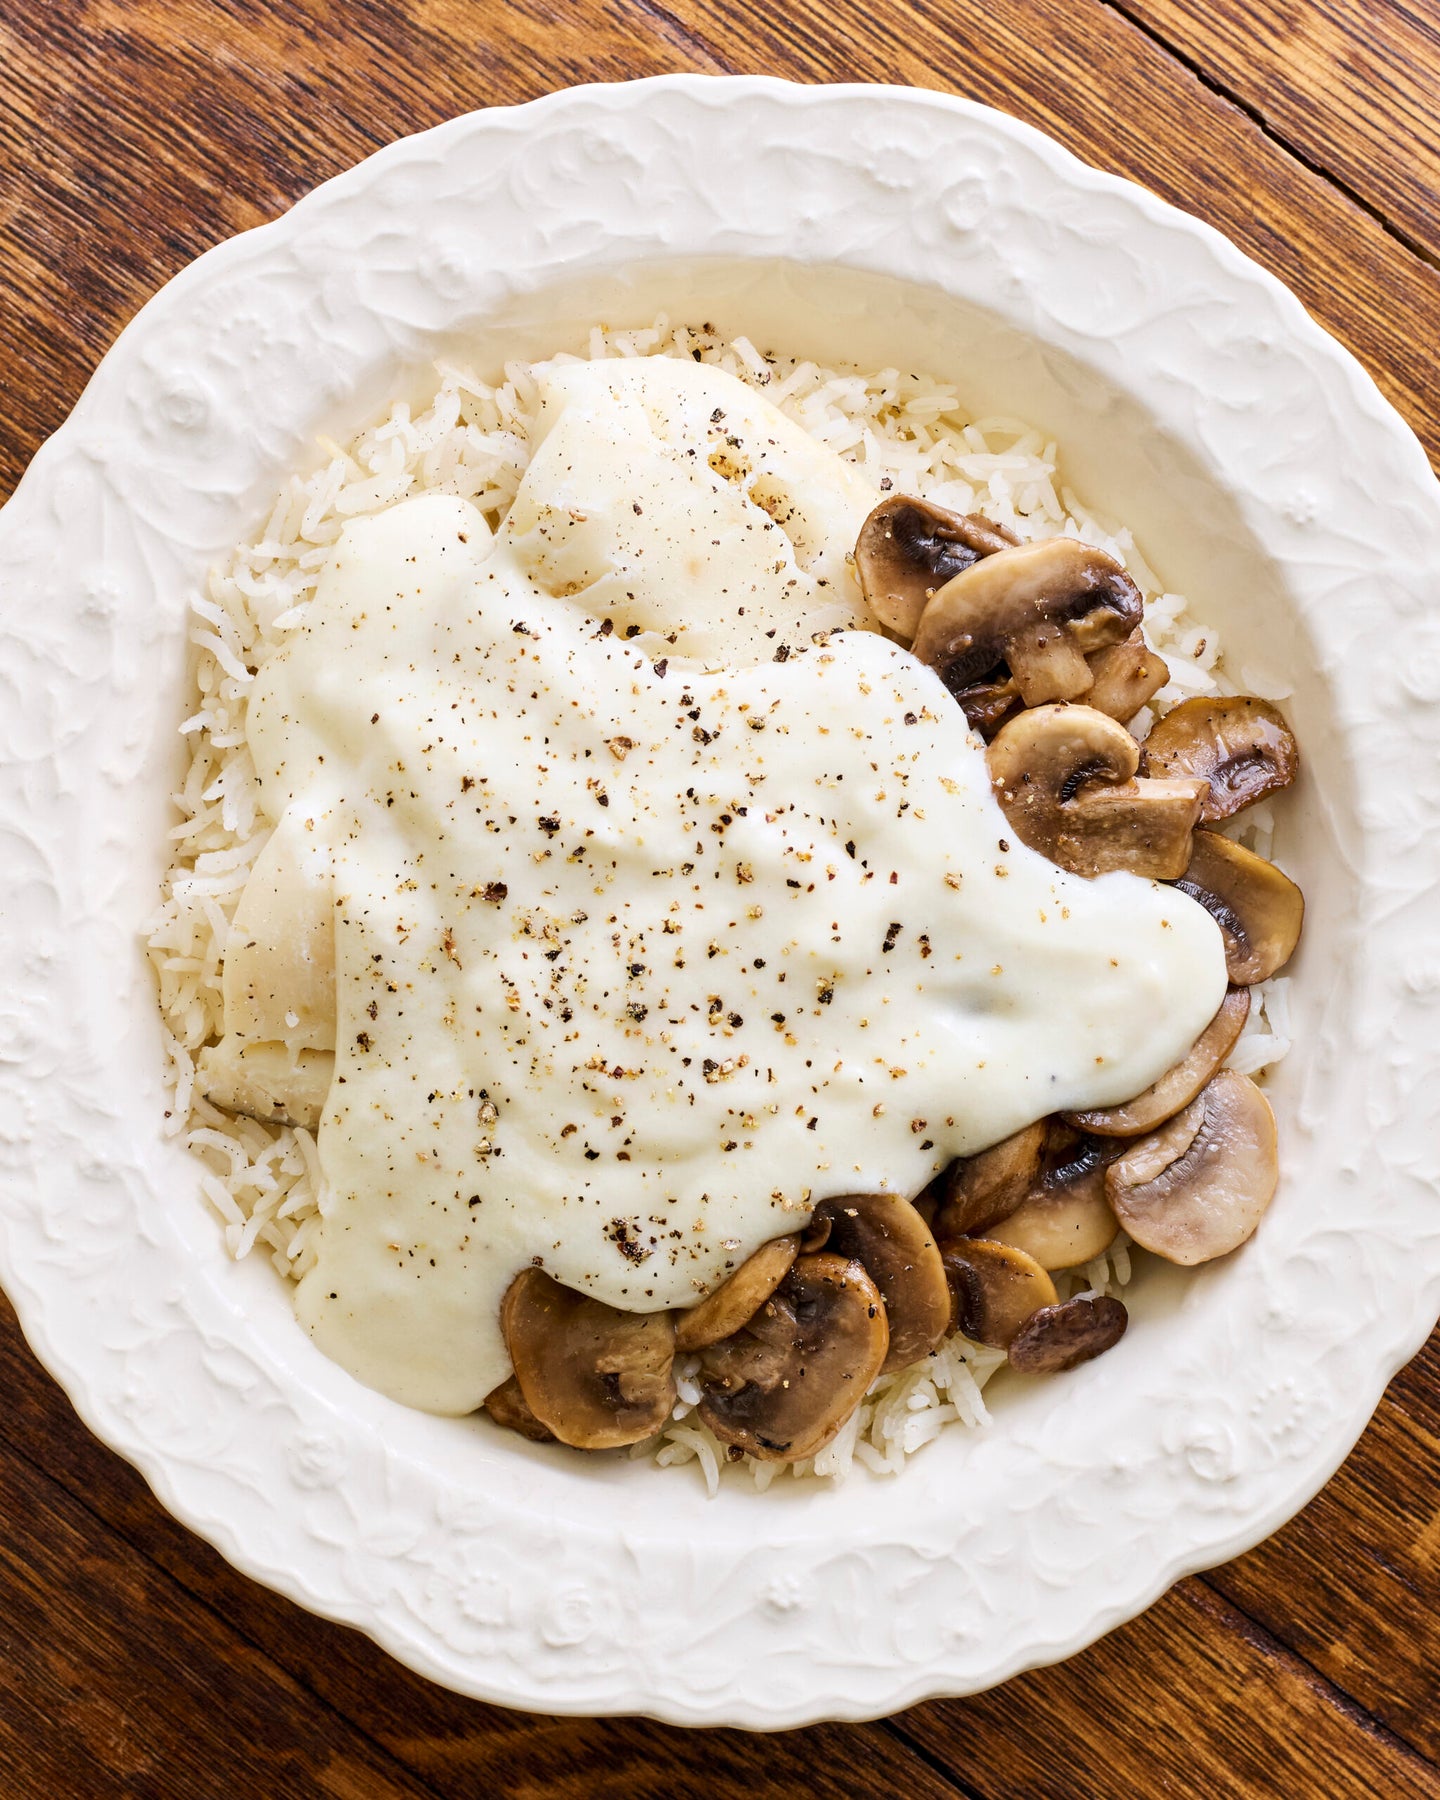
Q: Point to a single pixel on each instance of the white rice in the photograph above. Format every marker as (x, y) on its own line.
(903, 432)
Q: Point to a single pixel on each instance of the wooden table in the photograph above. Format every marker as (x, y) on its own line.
(136, 133)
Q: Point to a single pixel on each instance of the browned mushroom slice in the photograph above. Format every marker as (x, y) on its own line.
(1065, 1220)
(1039, 609)
(1124, 677)
(988, 704)
(887, 1235)
(1060, 1337)
(1241, 746)
(1177, 1087)
(781, 1388)
(1199, 1186)
(506, 1406)
(995, 1288)
(984, 1188)
(908, 548)
(816, 1234)
(720, 1314)
(1064, 776)
(1259, 910)
(927, 1203)
(596, 1376)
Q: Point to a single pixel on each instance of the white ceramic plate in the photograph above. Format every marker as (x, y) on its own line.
(1262, 474)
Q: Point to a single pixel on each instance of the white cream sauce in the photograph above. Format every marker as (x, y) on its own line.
(640, 956)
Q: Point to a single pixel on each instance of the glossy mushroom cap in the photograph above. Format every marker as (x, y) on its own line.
(995, 1289)
(887, 1235)
(1065, 1220)
(781, 1388)
(1239, 745)
(1178, 1086)
(721, 1314)
(982, 1189)
(506, 1406)
(595, 1376)
(1064, 776)
(1199, 1186)
(909, 548)
(1060, 1337)
(1260, 912)
(1038, 609)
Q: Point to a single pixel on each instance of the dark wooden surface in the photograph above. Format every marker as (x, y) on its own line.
(136, 133)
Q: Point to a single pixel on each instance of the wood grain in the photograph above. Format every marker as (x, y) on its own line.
(1085, 74)
(134, 134)
(1190, 1700)
(1350, 84)
(1353, 1585)
(448, 1745)
(111, 1683)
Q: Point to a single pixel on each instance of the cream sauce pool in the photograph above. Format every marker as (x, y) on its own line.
(643, 949)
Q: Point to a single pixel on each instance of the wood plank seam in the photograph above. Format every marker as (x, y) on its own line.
(293, 1671)
(895, 1727)
(1276, 1648)
(1258, 1635)
(1221, 92)
(676, 32)
(663, 20)
(105, 1529)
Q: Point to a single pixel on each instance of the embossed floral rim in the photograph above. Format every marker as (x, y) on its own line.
(492, 1568)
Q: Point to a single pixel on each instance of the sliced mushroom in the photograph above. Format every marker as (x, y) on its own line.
(506, 1406)
(1259, 911)
(982, 1189)
(908, 548)
(887, 1235)
(1177, 1087)
(1064, 776)
(722, 1313)
(816, 1234)
(1241, 746)
(988, 704)
(1039, 609)
(995, 1289)
(1124, 677)
(1060, 1337)
(1065, 1220)
(596, 1376)
(1199, 1186)
(781, 1388)
(927, 1203)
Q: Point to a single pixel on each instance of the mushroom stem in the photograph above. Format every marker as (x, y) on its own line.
(1064, 776)
(1124, 677)
(1039, 609)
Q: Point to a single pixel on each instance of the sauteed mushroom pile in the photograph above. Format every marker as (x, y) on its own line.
(1040, 644)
